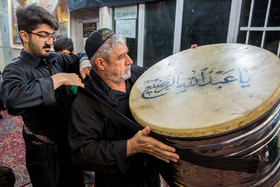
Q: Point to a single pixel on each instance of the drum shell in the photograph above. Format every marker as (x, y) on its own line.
(258, 140)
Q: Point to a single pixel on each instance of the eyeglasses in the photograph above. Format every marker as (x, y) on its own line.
(45, 37)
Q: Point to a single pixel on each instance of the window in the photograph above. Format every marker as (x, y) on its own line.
(205, 22)
(166, 27)
(260, 24)
(159, 31)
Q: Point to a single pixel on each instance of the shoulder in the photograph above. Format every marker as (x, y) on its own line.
(54, 56)
(14, 62)
(82, 100)
(83, 106)
(15, 65)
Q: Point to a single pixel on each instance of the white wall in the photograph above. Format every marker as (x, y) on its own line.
(105, 17)
(76, 26)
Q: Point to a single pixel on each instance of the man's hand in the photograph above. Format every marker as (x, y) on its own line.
(194, 46)
(142, 143)
(68, 79)
(85, 68)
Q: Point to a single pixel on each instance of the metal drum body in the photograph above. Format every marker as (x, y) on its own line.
(258, 140)
(217, 100)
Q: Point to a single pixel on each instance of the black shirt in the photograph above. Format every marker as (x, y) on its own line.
(28, 90)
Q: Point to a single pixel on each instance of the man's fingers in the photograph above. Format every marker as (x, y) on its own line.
(166, 156)
(163, 159)
(83, 75)
(160, 150)
(146, 131)
(80, 85)
(76, 83)
(154, 147)
(163, 146)
(73, 79)
(170, 155)
(194, 46)
(84, 72)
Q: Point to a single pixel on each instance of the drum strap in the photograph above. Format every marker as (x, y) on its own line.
(249, 165)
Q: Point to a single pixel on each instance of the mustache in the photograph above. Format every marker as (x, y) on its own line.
(47, 46)
(128, 67)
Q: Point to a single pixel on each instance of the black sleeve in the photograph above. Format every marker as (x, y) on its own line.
(69, 63)
(18, 92)
(91, 151)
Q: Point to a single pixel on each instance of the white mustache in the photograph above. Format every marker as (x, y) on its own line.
(128, 68)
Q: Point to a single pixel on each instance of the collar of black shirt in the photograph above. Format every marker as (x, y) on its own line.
(35, 61)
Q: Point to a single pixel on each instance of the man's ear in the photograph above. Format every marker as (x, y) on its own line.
(24, 36)
(100, 64)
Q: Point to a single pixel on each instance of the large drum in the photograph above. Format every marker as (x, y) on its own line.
(216, 101)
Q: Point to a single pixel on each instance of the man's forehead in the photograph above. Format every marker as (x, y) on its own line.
(120, 47)
(45, 28)
(65, 51)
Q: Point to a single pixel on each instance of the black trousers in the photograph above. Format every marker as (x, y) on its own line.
(50, 165)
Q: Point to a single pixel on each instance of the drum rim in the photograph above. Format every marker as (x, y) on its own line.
(257, 121)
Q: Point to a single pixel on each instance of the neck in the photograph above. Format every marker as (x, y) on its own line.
(26, 48)
(117, 86)
(121, 86)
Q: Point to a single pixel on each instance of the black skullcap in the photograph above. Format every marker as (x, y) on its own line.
(96, 39)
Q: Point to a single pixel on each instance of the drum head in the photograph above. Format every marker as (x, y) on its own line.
(207, 90)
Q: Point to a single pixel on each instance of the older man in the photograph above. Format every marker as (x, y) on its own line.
(117, 155)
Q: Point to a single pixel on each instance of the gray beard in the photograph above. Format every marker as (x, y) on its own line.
(123, 77)
(126, 76)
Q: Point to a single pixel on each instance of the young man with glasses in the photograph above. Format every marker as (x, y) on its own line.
(35, 87)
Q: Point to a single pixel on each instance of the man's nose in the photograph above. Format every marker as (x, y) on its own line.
(128, 60)
(49, 41)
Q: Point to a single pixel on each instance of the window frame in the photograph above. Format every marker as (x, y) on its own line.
(233, 28)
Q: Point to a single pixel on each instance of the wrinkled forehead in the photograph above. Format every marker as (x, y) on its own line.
(120, 48)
